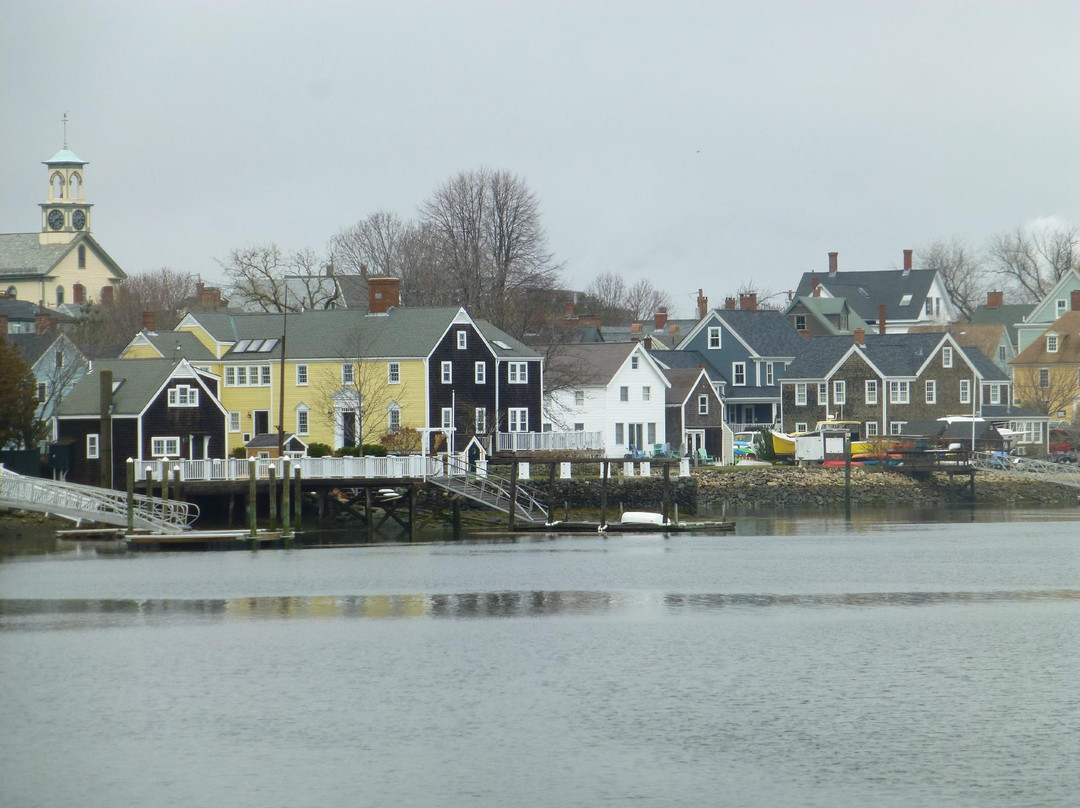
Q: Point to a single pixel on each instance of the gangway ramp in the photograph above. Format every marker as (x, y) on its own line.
(492, 491)
(85, 502)
(1027, 468)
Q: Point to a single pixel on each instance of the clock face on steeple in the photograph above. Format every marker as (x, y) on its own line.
(78, 220)
(56, 219)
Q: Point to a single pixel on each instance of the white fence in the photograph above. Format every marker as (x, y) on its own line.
(548, 441)
(232, 469)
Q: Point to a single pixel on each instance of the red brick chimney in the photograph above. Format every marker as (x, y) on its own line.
(660, 318)
(881, 318)
(994, 299)
(729, 302)
(702, 305)
(3, 324)
(1074, 300)
(635, 328)
(907, 261)
(209, 297)
(148, 319)
(748, 301)
(815, 286)
(834, 262)
(44, 322)
(860, 336)
(568, 309)
(648, 343)
(384, 293)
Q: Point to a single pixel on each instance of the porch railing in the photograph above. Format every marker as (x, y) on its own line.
(548, 441)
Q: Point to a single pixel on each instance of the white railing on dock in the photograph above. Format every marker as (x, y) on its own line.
(574, 441)
(233, 469)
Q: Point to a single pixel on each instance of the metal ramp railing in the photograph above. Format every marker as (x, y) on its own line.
(490, 490)
(1061, 473)
(79, 502)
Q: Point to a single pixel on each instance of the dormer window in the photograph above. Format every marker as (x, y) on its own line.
(714, 337)
(1051, 343)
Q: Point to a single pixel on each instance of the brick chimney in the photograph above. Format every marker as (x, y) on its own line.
(748, 301)
(209, 297)
(702, 305)
(907, 261)
(660, 319)
(148, 320)
(994, 299)
(1074, 300)
(834, 262)
(44, 322)
(881, 318)
(860, 336)
(106, 295)
(568, 309)
(648, 343)
(815, 286)
(635, 328)
(729, 302)
(384, 293)
(3, 324)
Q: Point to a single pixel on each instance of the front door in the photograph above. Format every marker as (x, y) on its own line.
(348, 428)
(635, 435)
(695, 439)
(262, 422)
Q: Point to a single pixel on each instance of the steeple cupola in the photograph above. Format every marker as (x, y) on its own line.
(65, 214)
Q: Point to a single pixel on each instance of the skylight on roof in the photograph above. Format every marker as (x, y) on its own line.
(502, 345)
(255, 345)
(905, 300)
(267, 346)
(242, 346)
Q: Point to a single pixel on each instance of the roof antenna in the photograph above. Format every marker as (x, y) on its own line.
(64, 121)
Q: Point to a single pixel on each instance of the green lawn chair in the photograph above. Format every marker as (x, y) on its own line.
(704, 457)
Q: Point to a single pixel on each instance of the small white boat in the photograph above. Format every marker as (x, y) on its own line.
(642, 518)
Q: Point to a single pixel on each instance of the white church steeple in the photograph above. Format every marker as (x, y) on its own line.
(65, 214)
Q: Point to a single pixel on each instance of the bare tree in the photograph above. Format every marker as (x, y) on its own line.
(66, 366)
(491, 243)
(644, 299)
(961, 271)
(372, 246)
(1051, 390)
(605, 297)
(261, 278)
(1034, 259)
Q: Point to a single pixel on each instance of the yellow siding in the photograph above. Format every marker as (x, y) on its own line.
(204, 337)
(140, 352)
(67, 273)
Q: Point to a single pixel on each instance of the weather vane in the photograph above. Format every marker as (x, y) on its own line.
(64, 121)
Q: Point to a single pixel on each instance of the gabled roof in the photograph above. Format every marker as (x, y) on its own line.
(764, 332)
(598, 362)
(1008, 315)
(174, 345)
(865, 291)
(894, 355)
(135, 383)
(984, 336)
(1067, 329)
(822, 308)
(25, 311)
(22, 255)
(683, 383)
(32, 347)
(1044, 309)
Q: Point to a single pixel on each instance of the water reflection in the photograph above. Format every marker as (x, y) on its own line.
(31, 614)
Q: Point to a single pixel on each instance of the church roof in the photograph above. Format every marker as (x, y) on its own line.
(22, 255)
(66, 156)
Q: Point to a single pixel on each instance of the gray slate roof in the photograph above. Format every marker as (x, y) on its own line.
(767, 332)
(179, 345)
(821, 308)
(1007, 315)
(593, 363)
(683, 381)
(22, 255)
(865, 291)
(32, 346)
(141, 378)
(25, 311)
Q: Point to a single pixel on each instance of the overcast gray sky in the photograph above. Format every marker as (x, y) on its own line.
(696, 144)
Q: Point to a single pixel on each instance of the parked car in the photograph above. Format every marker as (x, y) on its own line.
(744, 445)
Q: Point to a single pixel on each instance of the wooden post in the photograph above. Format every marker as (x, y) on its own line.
(165, 478)
(286, 505)
(297, 504)
(603, 493)
(513, 494)
(252, 526)
(176, 483)
(150, 481)
(369, 517)
(271, 474)
(847, 477)
(130, 495)
(667, 491)
(551, 490)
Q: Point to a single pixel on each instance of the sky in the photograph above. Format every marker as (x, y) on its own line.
(706, 145)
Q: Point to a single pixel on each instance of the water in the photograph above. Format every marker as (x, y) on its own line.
(800, 662)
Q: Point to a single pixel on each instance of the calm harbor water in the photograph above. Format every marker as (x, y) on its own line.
(908, 658)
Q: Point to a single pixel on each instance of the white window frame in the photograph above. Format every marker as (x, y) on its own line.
(800, 394)
(393, 373)
(801, 426)
(480, 424)
(624, 393)
(871, 391)
(446, 369)
(348, 373)
(93, 446)
(517, 372)
(517, 419)
(770, 376)
(646, 393)
(301, 376)
(930, 389)
(995, 393)
(1051, 343)
(896, 427)
(899, 393)
(965, 391)
(714, 339)
(480, 372)
(447, 418)
(823, 393)
(393, 418)
(234, 421)
(183, 395)
(703, 405)
(839, 391)
(462, 339)
(634, 362)
(947, 357)
(738, 369)
(871, 428)
(579, 398)
(303, 421)
(1061, 305)
(170, 447)
(800, 322)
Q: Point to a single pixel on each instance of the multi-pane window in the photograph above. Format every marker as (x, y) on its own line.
(646, 393)
(301, 422)
(1061, 306)
(481, 373)
(42, 391)
(702, 405)
(871, 429)
(517, 372)
(801, 426)
(634, 362)
(899, 393)
(247, 376)
(931, 391)
(393, 373)
(348, 372)
(965, 391)
(447, 418)
(579, 398)
(770, 378)
(995, 393)
(800, 322)
(92, 446)
(839, 392)
(234, 421)
(624, 394)
(393, 418)
(183, 396)
(164, 447)
(447, 372)
(946, 357)
(822, 393)
(896, 427)
(714, 337)
(1051, 343)
(518, 419)
(738, 373)
(871, 391)
(800, 394)
(462, 340)
(301, 375)
(481, 420)
(1044, 377)
(1002, 355)
(618, 434)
